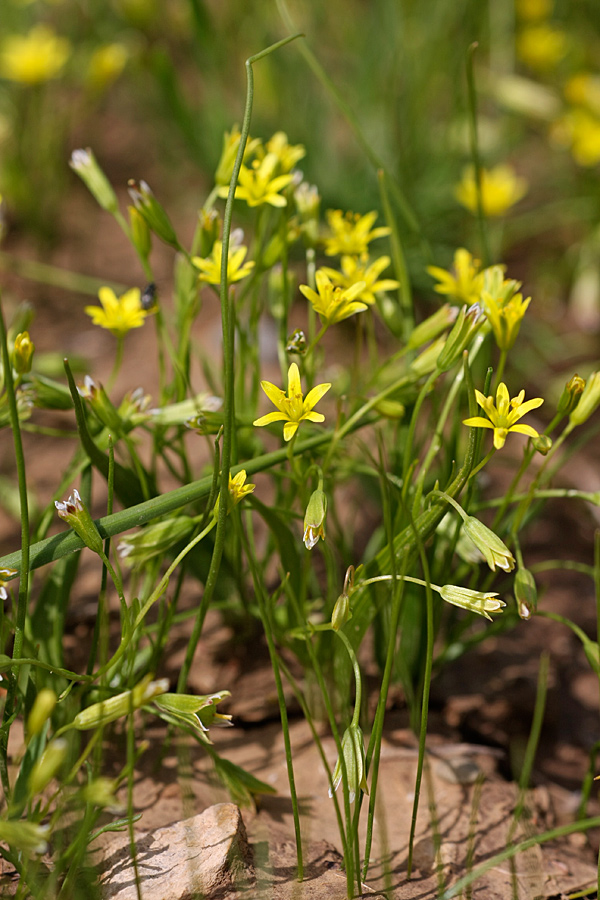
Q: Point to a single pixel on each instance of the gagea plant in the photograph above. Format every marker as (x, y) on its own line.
(326, 380)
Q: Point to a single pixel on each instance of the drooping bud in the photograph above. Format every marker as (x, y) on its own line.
(314, 519)
(353, 750)
(525, 593)
(495, 551)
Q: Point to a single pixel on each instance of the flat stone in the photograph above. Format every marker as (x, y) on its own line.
(205, 856)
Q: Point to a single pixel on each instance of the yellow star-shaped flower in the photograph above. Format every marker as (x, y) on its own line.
(351, 234)
(292, 407)
(356, 269)
(464, 282)
(333, 304)
(258, 183)
(210, 266)
(504, 414)
(118, 314)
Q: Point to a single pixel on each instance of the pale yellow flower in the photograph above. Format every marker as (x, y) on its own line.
(106, 65)
(501, 188)
(505, 319)
(35, 57)
(292, 408)
(351, 234)
(503, 414)
(579, 130)
(287, 154)
(532, 10)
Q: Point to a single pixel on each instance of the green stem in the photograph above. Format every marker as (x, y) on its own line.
(472, 116)
(23, 595)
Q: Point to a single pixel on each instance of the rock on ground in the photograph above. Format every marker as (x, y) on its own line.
(206, 856)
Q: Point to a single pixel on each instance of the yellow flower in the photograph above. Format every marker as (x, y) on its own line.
(237, 490)
(579, 129)
(231, 143)
(287, 154)
(118, 314)
(504, 414)
(333, 304)
(541, 46)
(106, 65)
(533, 9)
(351, 234)
(505, 320)
(259, 184)
(464, 282)
(34, 57)
(356, 269)
(583, 89)
(501, 188)
(293, 408)
(210, 267)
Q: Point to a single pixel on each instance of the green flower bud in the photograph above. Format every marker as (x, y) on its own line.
(106, 711)
(569, 398)
(390, 409)
(296, 342)
(353, 750)
(101, 793)
(525, 593)
(152, 211)
(426, 361)
(83, 162)
(465, 328)
(22, 354)
(314, 519)
(47, 765)
(475, 601)
(25, 837)
(207, 232)
(100, 402)
(77, 516)
(154, 540)
(542, 443)
(341, 612)
(588, 402)
(494, 550)
(433, 327)
(140, 233)
(42, 709)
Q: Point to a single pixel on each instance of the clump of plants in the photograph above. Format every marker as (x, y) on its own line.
(360, 389)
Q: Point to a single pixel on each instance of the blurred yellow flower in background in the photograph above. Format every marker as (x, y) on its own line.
(541, 46)
(35, 57)
(501, 188)
(105, 65)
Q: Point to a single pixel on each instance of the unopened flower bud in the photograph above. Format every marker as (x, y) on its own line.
(475, 601)
(426, 361)
(25, 837)
(432, 327)
(207, 232)
(83, 162)
(390, 409)
(152, 211)
(569, 398)
(140, 232)
(525, 593)
(106, 711)
(22, 353)
(77, 516)
(465, 328)
(296, 342)
(41, 711)
(341, 612)
(314, 519)
(353, 750)
(495, 551)
(154, 540)
(47, 765)
(94, 393)
(542, 443)
(588, 402)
